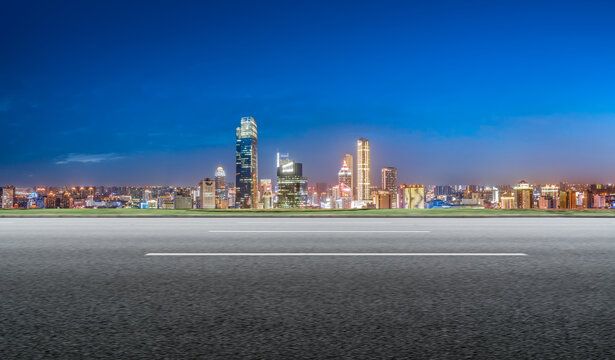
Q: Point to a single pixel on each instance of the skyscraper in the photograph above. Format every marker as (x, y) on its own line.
(221, 192)
(549, 197)
(183, 198)
(246, 164)
(264, 186)
(350, 162)
(507, 201)
(389, 183)
(8, 194)
(208, 194)
(363, 179)
(345, 180)
(282, 159)
(524, 195)
(292, 186)
(414, 196)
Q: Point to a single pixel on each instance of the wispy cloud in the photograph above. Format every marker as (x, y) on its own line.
(87, 158)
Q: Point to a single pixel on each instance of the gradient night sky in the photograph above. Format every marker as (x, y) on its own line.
(461, 92)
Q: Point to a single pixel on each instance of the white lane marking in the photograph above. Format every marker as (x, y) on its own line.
(336, 254)
(319, 231)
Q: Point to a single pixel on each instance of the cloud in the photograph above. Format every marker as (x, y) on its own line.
(87, 158)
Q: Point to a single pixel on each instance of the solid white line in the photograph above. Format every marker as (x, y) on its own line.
(335, 254)
(319, 231)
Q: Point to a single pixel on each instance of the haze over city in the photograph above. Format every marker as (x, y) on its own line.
(143, 93)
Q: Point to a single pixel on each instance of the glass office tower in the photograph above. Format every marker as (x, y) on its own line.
(246, 164)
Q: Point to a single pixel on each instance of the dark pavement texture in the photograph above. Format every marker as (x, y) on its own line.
(83, 288)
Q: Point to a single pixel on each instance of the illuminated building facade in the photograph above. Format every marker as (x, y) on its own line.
(524, 195)
(8, 194)
(507, 201)
(267, 199)
(389, 183)
(382, 199)
(59, 200)
(246, 164)
(292, 186)
(345, 180)
(348, 158)
(166, 202)
(599, 201)
(321, 190)
(414, 196)
(183, 198)
(549, 197)
(208, 194)
(281, 159)
(363, 174)
(568, 199)
(265, 185)
(221, 191)
(232, 191)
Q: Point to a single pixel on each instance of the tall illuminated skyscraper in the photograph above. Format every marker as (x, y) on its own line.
(363, 164)
(345, 180)
(221, 192)
(350, 162)
(246, 163)
(389, 183)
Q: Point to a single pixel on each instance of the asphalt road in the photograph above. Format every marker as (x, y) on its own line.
(84, 288)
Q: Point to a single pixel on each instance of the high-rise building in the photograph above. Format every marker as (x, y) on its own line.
(382, 199)
(62, 200)
(246, 163)
(389, 183)
(567, 199)
(281, 159)
(208, 194)
(524, 195)
(321, 189)
(599, 201)
(8, 195)
(345, 180)
(549, 197)
(443, 190)
(292, 186)
(267, 199)
(363, 175)
(350, 162)
(507, 201)
(183, 198)
(221, 190)
(232, 191)
(147, 195)
(414, 196)
(264, 186)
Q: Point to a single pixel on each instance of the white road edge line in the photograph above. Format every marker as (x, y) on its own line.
(319, 231)
(336, 254)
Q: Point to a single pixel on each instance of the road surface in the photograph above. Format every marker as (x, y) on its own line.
(441, 288)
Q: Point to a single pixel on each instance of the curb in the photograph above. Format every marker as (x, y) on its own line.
(304, 216)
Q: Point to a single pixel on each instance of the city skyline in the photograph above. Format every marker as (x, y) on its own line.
(447, 92)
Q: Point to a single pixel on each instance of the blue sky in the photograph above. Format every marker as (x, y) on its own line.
(449, 92)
